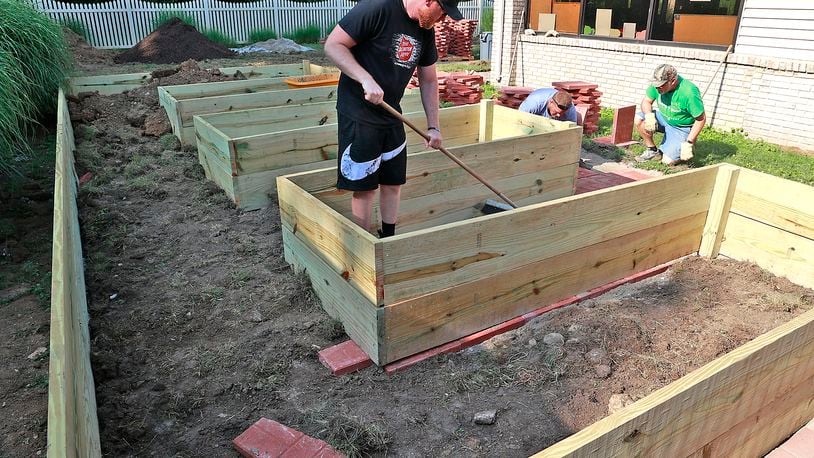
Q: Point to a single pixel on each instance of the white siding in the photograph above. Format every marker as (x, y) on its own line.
(777, 28)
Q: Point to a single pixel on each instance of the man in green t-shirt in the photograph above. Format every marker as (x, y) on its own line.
(678, 112)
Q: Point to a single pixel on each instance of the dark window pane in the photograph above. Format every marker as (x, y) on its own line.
(696, 21)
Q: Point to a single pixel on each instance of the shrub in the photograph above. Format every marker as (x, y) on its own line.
(34, 61)
(77, 26)
(308, 34)
(258, 35)
(165, 16)
(219, 37)
(486, 18)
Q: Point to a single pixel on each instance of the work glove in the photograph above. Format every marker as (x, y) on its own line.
(686, 151)
(650, 123)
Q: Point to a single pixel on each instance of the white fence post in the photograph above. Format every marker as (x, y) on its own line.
(131, 22)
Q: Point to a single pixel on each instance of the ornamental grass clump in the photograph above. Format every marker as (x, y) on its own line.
(34, 61)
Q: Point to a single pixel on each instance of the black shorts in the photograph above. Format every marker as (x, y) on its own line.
(370, 155)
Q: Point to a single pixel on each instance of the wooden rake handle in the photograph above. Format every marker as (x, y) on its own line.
(426, 137)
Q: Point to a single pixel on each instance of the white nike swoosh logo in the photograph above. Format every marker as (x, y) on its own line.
(356, 171)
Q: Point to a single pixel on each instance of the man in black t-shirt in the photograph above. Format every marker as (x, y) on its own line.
(378, 45)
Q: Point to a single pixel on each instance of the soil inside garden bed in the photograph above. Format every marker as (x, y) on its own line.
(199, 328)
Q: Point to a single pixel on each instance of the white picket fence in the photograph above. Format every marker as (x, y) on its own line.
(123, 23)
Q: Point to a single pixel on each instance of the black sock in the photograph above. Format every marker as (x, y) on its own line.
(653, 148)
(388, 230)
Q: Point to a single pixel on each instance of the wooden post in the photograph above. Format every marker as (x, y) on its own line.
(718, 214)
(487, 110)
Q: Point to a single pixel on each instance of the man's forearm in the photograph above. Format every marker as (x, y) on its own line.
(696, 129)
(429, 99)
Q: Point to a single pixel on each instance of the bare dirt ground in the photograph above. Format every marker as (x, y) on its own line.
(199, 328)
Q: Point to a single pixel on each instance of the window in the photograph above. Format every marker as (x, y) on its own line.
(709, 22)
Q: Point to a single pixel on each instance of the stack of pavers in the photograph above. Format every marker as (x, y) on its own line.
(587, 97)
(459, 88)
(455, 37)
(513, 96)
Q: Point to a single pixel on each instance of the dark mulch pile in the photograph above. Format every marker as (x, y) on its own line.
(174, 42)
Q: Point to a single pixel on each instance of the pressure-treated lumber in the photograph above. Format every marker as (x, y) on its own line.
(771, 223)
(718, 214)
(742, 404)
(73, 428)
(116, 84)
(254, 161)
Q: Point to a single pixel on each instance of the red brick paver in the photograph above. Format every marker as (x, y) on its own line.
(344, 358)
(269, 439)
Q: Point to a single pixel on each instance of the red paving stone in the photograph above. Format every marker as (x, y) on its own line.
(269, 439)
(801, 444)
(344, 358)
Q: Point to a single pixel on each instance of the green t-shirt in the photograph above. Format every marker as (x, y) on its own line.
(680, 106)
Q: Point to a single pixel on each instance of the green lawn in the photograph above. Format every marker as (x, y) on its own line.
(716, 146)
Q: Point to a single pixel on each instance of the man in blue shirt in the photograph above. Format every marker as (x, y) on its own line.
(550, 103)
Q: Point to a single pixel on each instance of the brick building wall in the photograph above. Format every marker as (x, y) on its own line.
(770, 99)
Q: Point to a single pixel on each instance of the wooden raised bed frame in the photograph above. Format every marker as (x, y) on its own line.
(400, 295)
(244, 152)
(182, 102)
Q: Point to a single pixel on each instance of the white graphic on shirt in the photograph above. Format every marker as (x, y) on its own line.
(406, 50)
(356, 171)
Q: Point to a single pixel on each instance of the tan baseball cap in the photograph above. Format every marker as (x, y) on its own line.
(663, 74)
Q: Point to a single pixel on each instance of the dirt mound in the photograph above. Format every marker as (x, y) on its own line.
(83, 53)
(173, 42)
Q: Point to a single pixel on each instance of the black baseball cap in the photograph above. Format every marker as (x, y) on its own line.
(451, 8)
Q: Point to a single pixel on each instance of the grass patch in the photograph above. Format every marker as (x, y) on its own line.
(258, 35)
(34, 62)
(715, 146)
(220, 38)
(474, 65)
(490, 91)
(347, 434)
(308, 34)
(487, 18)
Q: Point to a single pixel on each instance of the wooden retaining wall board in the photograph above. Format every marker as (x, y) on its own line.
(116, 84)
(771, 223)
(246, 167)
(315, 216)
(73, 427)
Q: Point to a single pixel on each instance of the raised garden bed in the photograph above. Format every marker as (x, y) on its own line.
(244, 152)
(115, 84)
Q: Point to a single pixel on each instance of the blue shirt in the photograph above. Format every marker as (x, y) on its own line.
(537, 103)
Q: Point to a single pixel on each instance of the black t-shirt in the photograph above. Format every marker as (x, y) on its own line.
(389, 46)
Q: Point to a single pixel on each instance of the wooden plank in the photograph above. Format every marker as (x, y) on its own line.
(267, 71)
(107, 84)
(267, 120)
(258, 190)
(342, 302)
(760, 432)
(487, 113)
(780, 203)
(431, 172)
(718, 214)
(413, 265)
(345, 247)
(250, 86)
(459, 204)
(780, 252)
(684, 416)
(73, 428)
(444, 315)
(507, 122)
(263, 99)
(314, 144)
